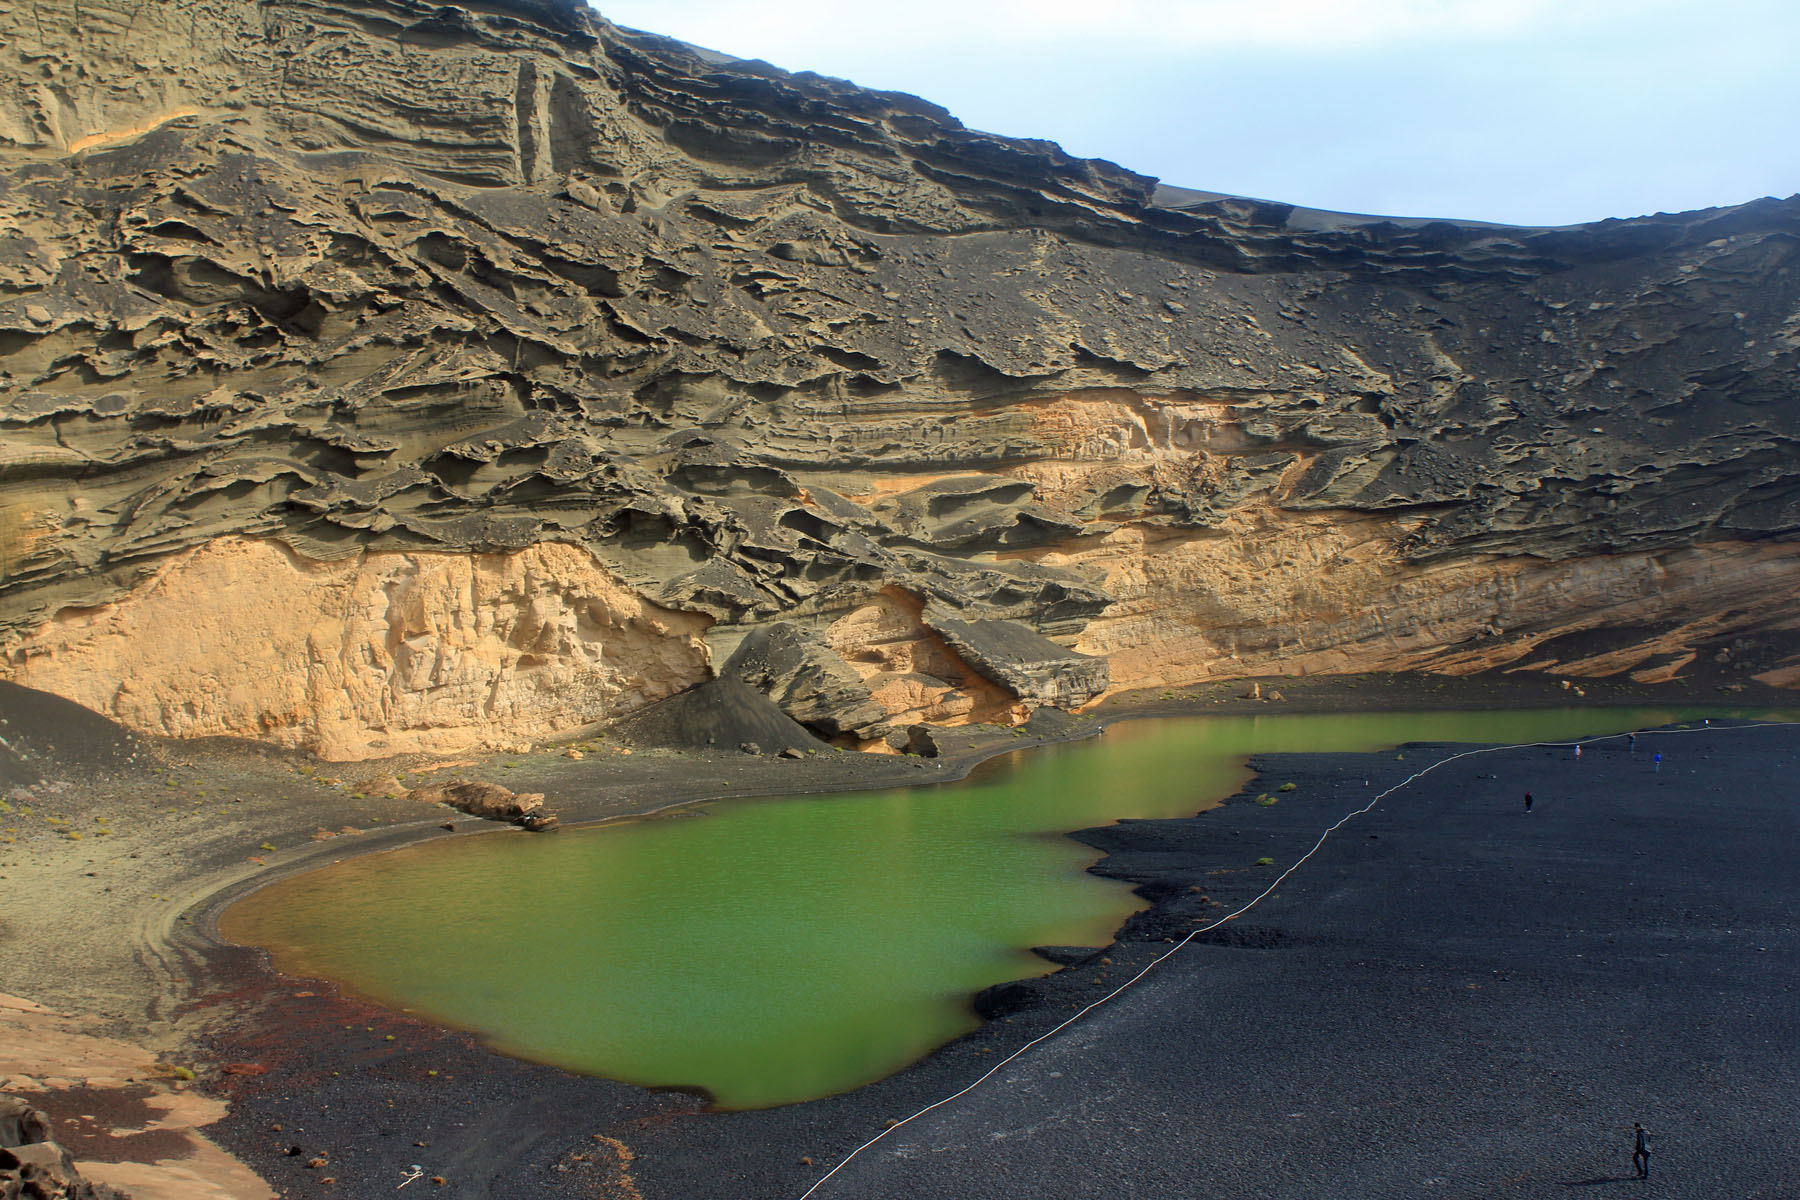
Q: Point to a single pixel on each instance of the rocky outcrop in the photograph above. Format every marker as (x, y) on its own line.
(807, 680)
(1030, 665)
(358, 288)
(129, 1116)
(377, 653)
(1323, 595)
(913, 673)
(33, 1166)
(919, 740)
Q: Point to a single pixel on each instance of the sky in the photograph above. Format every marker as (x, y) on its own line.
(1529, 112)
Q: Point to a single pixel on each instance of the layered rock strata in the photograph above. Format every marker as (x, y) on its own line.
(380, 375)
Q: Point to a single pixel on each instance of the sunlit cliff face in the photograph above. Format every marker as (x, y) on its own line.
(377, 654)
(537, 363)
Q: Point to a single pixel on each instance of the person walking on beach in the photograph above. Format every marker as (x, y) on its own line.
(1527, 801)
(1640, 1152)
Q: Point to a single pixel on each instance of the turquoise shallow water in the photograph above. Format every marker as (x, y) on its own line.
(774, 950)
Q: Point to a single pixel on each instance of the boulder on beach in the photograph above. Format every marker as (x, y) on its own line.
(490, 802)
(921, 741)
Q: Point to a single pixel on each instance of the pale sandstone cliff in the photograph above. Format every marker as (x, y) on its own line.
(380, 653)
(610, 352)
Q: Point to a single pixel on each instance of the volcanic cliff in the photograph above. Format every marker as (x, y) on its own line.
(381, 375)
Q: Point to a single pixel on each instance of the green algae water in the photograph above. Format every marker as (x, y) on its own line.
(774, 950)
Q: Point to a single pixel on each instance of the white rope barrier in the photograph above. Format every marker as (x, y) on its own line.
(1257, 899)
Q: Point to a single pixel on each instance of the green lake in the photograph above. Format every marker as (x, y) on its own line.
(774, 950)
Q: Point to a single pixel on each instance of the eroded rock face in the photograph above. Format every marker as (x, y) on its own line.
(1319, 594)
(349, 284)
(807, 680)
(1031, 666)
(380, 653)
(912, 672)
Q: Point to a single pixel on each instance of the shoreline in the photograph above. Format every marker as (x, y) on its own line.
(1435, 1013)
(210, 993)
(1312, 695)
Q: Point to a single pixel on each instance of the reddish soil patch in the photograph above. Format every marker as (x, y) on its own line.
(87, 1122)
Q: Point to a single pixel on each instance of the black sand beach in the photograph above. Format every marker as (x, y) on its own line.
(1451, 991)
(1451, 998)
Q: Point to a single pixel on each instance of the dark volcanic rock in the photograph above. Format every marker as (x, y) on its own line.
(369, 278)
(921, 741)
(1005, 999)
(1054, 723)
(725, 713)
(1030, 665)
(807, 680)
(33, 1166)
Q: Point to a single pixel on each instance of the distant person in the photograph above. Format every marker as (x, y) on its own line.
(1659, 761)
(1527, 801)
(1631, 742)
(1640, 1152)
(1577, 749)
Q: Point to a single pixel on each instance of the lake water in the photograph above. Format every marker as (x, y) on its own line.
(774, 950)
